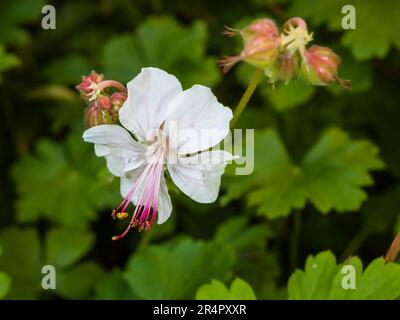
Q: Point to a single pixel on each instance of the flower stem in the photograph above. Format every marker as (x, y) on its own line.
(111, 83)
(394, 250)
(255, 80)
(355, 243)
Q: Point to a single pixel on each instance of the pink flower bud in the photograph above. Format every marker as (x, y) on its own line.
(286, 67)
(88, 84)
(117, 100)
(261, 42)
(95, 115)
(320, 67)
(104, 102)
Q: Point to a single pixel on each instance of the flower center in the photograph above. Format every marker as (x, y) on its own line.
(144, 192)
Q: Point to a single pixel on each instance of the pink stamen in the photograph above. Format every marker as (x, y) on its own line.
(228, 62)
(149, 183)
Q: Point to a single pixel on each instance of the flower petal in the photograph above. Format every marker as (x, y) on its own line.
(114, 143)
(201, 120)
(199, 176)
(164, 203)
(115, 164)
(149, 95)
(128, 180)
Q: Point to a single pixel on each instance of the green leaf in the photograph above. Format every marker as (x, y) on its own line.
(21, 261)
(151, 45)
(340, 166)
(7, 61)
(175, 270)
(377, 23)
(216, 290)
(316, 279)
(358, 73)
(237, 233)
(254, 260)
(336, 291)
(5, 284)
(113, 287)
(65, 246)
(322, 279)
(330, 175)
(79, 282)
(55, 92)
(14, 13)
(379, 281)
(287, 96)
(65, 183)
(67, 70)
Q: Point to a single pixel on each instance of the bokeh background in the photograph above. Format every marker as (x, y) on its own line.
(327, 162)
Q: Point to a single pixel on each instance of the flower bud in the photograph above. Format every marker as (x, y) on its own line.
(320, 66)
(88, 84)
(104, 102)
(95, 115)
(117, 100)
(103, 105)
(286, 67)
(261, 44)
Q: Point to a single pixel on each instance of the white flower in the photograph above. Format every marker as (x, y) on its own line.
(170, 129)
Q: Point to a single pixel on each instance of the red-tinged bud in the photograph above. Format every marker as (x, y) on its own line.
(260, 28)
(104, 102)
(261, 42)
(103, 105)
(95, 115)
(89, 83)
(117, 100)
(320, 67)
(285, 68)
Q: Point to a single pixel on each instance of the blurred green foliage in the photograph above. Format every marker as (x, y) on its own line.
(216, 290)
(322, 279)
(329, 175)
(333, 149)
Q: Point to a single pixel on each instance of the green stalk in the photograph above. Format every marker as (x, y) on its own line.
(355, 244)
(255, 80)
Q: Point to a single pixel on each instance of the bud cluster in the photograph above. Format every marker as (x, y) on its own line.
(284, 55)
(103, 102)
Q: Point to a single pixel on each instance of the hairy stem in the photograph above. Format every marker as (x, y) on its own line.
(255, 80)
(394, 250)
